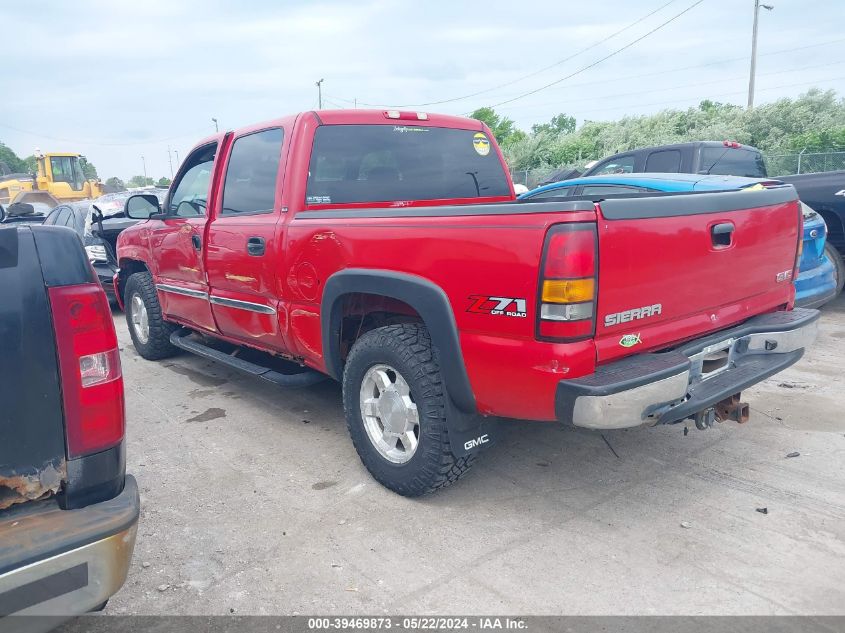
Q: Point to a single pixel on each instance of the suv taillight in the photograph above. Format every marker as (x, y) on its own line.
(566, 305)
(800, 250)
(89, 362)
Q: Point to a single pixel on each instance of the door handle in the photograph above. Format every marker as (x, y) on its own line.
(196, 241)
(721, 234)
(255, 246)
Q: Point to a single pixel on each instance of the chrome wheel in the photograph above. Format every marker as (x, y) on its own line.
(139, 319)
(390, 414)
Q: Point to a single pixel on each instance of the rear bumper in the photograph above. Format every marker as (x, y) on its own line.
(816, 286)
(57, 562)
(672, 386)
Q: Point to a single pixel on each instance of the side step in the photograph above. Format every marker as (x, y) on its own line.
(306, 378)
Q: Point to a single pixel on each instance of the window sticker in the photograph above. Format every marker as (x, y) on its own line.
(318, 200)
(481, 143)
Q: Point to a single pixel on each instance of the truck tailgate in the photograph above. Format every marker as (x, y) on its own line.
(676, 267)
(32, 439)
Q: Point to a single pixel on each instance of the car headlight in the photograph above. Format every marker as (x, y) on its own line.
(96, 253)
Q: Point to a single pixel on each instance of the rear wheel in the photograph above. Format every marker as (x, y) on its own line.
(149, 331)
(838, 266)
(394, 399)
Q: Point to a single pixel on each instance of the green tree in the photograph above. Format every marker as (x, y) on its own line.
(11, 160)
(140, 181)
(164, 181)
(88, 169)
(116, 184)
(560, 124)
(503, 128)
(31, 164)
(814, 120)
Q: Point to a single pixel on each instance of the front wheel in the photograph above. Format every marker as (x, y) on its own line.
(394, 400)
(149, 331)
(838, 266)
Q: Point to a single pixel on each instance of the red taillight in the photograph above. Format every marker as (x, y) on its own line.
(89, 361)
(566, 304)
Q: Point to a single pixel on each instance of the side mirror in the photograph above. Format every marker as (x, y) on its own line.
(143, 206)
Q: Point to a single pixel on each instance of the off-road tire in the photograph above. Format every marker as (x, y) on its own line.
(158, 345)
(836, 259)
(408, 348)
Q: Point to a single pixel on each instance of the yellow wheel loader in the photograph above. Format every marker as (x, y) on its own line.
(59, 179)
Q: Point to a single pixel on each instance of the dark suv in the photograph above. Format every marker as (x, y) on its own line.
(722, 158)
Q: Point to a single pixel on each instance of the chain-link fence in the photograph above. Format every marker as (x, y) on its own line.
(776, 165)
(804, 163)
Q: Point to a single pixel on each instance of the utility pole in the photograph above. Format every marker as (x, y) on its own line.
(319, 85)
(757, 6)
(144, 162)
(176, 151)
(216, 129)
(170, 160)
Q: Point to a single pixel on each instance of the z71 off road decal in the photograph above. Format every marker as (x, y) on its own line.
(498, 306)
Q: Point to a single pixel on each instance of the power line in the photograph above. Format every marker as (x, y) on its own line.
(599, 61)
(696, 66)
(724, 94)
(522, 78)
(675, 87)
(642, 75)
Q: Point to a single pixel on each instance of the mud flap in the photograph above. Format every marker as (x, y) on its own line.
(469, 433)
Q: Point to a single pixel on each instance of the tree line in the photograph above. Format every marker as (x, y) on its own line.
(814, 121)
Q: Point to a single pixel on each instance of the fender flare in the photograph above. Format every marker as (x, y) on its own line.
(430, 302)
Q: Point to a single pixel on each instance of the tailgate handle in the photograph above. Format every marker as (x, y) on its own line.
(196, 241)
(721, 234)
(255, 246)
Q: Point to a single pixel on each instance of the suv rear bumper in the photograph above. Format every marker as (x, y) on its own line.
(668, 387)
(66, 562)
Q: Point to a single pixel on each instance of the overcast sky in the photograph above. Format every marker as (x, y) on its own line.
(117, 80)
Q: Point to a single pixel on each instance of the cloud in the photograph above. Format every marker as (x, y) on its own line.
(119, 80)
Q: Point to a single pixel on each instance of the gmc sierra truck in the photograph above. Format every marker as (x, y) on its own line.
(386, 250)
(68, 511)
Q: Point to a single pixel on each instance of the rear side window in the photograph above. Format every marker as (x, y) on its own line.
(552, 194)
(731, 161)
(605, 190)
(619, 165)
(380, 163)
(250, 185)
(667, 161)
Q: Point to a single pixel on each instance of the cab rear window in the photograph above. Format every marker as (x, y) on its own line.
(381, 163)
(732, 161)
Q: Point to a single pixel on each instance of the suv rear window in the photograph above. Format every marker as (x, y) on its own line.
(380, 163)
(731, 161)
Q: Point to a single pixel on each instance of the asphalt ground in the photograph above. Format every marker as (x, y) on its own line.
(254, 502)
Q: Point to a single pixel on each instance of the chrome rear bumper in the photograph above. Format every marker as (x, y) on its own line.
(671, 386)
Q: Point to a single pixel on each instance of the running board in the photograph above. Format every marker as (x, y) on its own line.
(304, 379)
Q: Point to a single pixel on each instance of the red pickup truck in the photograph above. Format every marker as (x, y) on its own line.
(386, 250)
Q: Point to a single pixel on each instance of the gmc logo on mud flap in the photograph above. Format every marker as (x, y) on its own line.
(498, 306)
(478, 441)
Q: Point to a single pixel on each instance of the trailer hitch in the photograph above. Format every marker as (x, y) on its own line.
(732, 409)
(728, 409)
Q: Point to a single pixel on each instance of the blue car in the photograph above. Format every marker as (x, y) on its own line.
(816, 283)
